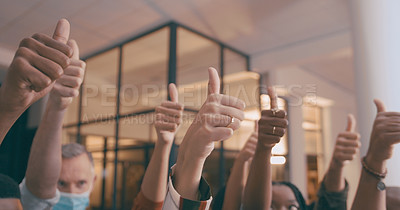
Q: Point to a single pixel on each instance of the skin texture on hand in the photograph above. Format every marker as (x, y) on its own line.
(168, 119)
(66, 88)
(248, 150)
(346, 148)
(238, 177)
(385, 134)
(38, 62)
(272, 126)
(44, 164)
(219, 116)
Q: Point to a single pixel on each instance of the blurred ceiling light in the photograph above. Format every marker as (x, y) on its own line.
(280, 148)
(278, 160)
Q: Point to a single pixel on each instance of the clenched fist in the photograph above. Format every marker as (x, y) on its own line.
(347, 143)
(273, 123)
(67, 86)
(169, 116)
(38, 62)
(385, 134)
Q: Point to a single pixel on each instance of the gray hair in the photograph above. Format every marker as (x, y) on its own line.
(72, 150)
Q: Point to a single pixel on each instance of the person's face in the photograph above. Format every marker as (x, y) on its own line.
(283, 198)
(77, 175)
(10, 203)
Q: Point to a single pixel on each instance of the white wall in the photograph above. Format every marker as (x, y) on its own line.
(300, 82)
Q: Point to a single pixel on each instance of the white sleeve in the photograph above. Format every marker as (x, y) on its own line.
(174, 201)
(31, 202)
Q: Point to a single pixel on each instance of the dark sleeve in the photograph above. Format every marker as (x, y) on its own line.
(331, 200)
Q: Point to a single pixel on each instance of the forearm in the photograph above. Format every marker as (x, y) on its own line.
(334, 178)
(258, 190)
(187, 178)
(155, 179)
(7, 116)
(7, 120)
(235, 186)
(368, 196)
(44, 165)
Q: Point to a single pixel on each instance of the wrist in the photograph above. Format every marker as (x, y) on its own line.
(336, 164)
(55, 107)
(240, 159)
(163, 141)
(8, 109)
(56, 104)
(264, 148)
(374, 164)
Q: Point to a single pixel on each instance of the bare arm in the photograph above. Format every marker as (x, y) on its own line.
(347, 146)
(237, 179)
(168, 119)
(257, 194)
(272, 126)
(38, 62)
(44, 165)
(210, 125)
(385, 134)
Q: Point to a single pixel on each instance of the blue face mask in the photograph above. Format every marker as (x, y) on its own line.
(72, 201)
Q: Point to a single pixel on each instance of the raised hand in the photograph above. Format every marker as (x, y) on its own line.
(272, 126)
(38, 62)
(67, 86)
(273, 123)
(248, 150)
(346, 148)
(347, 143)
(219, 116)
(169, 116)
(385, 134)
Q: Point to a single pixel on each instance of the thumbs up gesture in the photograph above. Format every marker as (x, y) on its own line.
(273, 123)
(67, 86)
(216, 120)
(385, 134)
(169, 117)
(248, 150)
(347, 144)
(38, 62)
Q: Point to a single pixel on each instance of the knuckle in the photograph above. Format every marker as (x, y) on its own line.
(78, 82)
(22, 52)
(75, 93)
(213, 108)
(19, 62)
(69, 50)
(27, 42)
(58, 71)
(38, 36)
(64, 61)
(82, 64)
(44, 83)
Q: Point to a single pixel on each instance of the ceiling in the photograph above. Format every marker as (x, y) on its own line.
(255, 27)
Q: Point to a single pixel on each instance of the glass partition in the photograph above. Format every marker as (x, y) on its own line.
(144, 72)
(114, 116)
(99, 95)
